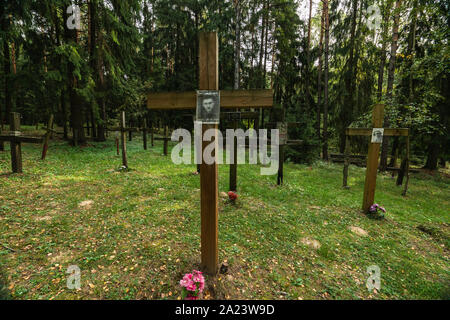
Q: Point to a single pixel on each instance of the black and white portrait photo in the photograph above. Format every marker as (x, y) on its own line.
(208, 106)
(377, 135)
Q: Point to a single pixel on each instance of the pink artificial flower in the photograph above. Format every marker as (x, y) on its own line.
(191, 287)
(197, 276)
(187, 280)
(192, 284)
(199, 279)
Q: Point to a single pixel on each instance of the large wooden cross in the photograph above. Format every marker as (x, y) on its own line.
(373, 153)
(16, 139)
(209, 80)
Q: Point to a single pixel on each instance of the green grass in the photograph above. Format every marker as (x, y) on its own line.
(142, 232)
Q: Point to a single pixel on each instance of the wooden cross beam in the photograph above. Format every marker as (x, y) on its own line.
(16, 139)
(209, 80)
(229, 99)
(373, 153)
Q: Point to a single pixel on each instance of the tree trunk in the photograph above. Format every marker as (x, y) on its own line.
(346, 113)
(75, 101)
(309, 100)
(319, 78)
(101, 88)
(92, 56)
(325, 104)
(433, 155)
(7, 73)
(237, 47)
(65, 115)
(385, 16)
(390, 86)
(394, 46)
(412, 49)
(261, 51)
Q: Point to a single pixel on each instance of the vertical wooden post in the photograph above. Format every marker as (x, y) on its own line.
(144, 134)
(346, 161)
(166, 142)
(47, 137)
(123, 140)
(117, 145)
(16, 147)
(87, 126)
(209, 80)
(153, 135)
(280, 166)
(233, 166)
(401, 172)
(75, 136)
(280, 175)
(130, 133)
(407, 166)
(2, 144)
(372, 161)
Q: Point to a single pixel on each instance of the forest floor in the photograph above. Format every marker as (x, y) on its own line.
(135, 234)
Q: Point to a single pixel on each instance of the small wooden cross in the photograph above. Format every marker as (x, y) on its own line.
(235, 117)
(48, 133)
(123, 129)
(209, 80)
(166, 140)
(16, 139)
(284, 141)
(373, 153)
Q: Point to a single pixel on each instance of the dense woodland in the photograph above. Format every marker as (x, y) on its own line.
(327, 62)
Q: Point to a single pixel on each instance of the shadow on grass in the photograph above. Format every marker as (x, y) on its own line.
(6, 174)
(4, 292)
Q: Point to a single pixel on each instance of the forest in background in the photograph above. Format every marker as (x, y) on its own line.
(327, 61)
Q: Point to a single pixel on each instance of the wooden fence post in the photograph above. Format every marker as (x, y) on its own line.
(123, 140)
(16, 146)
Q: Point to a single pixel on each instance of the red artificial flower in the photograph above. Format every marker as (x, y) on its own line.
(232, 195)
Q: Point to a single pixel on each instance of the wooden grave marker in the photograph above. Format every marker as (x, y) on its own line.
(235, 117)
(376, 132)
(209, 80)
(123, 129)
(165, 138)
(16, 139)
(48, 132)
(123, 142)
(283, 128)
